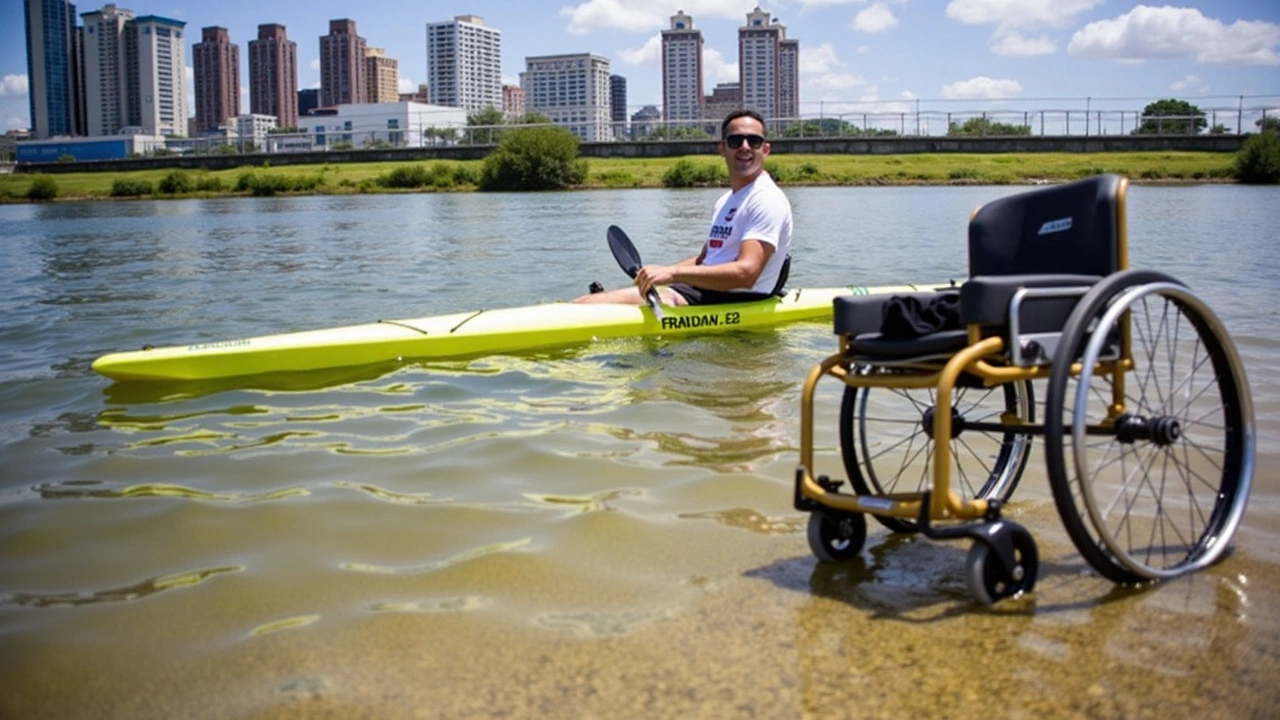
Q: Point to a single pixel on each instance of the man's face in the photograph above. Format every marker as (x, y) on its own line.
(744, 162)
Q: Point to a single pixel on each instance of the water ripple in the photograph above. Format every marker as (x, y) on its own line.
(458, 559)
(80, 489)
(146, 588)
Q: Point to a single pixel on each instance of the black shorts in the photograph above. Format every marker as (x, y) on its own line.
(701, 296)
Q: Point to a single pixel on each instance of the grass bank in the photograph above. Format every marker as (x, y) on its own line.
(794, 170)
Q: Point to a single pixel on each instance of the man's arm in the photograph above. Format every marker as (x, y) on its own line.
(739, 274)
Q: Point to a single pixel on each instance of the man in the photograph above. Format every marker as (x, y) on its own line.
(749, 239)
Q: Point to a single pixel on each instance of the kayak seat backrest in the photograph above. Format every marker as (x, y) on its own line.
(780, 287)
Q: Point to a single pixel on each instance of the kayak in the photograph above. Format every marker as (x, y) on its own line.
(469, 334)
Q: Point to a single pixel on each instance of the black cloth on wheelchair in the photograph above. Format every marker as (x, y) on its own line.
(908, 316)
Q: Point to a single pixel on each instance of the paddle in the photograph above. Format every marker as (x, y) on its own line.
(629, 260)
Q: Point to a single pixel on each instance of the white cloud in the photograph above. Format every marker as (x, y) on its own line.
(1147, 33)
(717, 69)
(982, 88)
(650, 52)
(1019, 13)
(645, 15)
(877, 18)
(314, 65)
(14, 86)
(1014, 17)
(1189, 82)
(1012, 43)
(406, 85)
(822, 74)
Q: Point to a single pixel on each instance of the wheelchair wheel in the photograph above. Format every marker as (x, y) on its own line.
(887, 445)
(1156, 488)
(986, 576)
(835, 535)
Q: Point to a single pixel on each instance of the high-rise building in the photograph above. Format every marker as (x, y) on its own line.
(53, 68)
(464, 64)
(161, 78)
(789, 79)
(342, 74)
(107, 93)
(215, 65)
(572, 90)
(273, 75)
(768, 67)
(513, 102)
(308, 100)
(617, 99)
(383, 81)
(681, 70)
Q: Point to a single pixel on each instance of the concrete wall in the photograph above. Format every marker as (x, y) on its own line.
(677, 148)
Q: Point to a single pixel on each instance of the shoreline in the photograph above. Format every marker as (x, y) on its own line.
(801, 170)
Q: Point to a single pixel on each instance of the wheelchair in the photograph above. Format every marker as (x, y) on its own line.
(1148, 425)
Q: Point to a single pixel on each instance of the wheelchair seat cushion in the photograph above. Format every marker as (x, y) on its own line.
(908, 316)
(879, 345)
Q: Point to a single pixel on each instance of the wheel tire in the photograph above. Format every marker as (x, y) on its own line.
(1142, 508)
(887, 448)
(836, 536)
(987, 580)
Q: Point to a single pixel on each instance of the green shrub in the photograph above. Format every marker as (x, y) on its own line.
(177, 182)
(617, 179)
(962, 174)
(687, 173)
(210, 183)
(42, 189)
(1258, 162)
(414, 176)
(534, 158)
(124, 187)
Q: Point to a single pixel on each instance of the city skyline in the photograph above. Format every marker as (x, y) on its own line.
(854, 53)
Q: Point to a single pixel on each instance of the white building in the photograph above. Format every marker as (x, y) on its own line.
(161, 83)
(106, 88)
(464, 64)
(681, 70)
(359, 125)
(572, 90)
(768, 67)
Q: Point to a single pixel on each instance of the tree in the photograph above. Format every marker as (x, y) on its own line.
(1269, 124)
(1258, 162)
(534, 158)
(985, 127)
(534, 118)
(485, 123)
(1171, 117)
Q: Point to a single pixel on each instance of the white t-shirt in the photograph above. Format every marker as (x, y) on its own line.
(759, 211)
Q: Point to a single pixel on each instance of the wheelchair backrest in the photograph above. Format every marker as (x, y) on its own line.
(1075, 228)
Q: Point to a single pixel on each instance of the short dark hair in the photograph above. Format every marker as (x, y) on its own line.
(724, 126)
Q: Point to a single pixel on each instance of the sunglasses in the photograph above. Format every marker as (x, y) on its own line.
(735, 141)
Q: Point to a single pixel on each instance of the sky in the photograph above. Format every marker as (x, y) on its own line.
(855, 55)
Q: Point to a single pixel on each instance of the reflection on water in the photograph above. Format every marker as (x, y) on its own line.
(606, 527)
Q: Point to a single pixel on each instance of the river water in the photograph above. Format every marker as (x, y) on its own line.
(591, 531)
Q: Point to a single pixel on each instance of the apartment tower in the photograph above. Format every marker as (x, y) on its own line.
(53, 68)
(107, 93)
(572, 90)
(681, 70)
(768, 67)
(342, 69)
(273, 75)
(161, 78)
(215, 64)
(383, 76)
(464, 64)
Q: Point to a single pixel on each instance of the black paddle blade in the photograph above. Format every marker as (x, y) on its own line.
(624, 251)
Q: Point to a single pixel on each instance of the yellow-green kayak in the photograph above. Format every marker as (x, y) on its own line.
(482, 332)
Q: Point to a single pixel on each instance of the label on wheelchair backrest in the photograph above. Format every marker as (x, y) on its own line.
(1055, 226)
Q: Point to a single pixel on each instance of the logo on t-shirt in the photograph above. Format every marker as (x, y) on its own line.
(728, 217)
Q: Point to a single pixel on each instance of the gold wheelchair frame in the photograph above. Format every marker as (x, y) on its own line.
(1148, 422)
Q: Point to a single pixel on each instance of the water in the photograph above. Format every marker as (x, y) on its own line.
(602, 530)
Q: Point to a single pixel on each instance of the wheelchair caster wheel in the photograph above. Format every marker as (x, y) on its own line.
(988, 578)
(835, 536)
